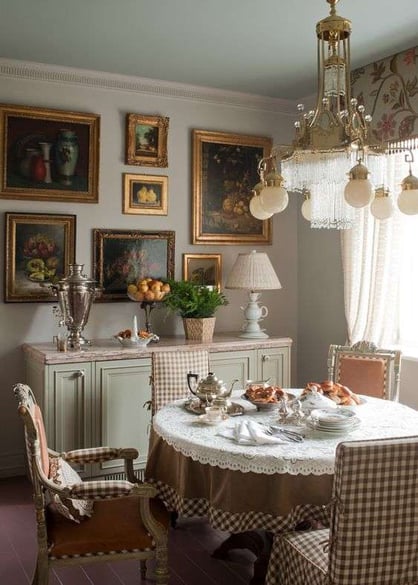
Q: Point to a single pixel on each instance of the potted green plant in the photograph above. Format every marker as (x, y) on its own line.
(196, 305)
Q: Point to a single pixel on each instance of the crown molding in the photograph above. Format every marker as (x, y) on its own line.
(28, 70)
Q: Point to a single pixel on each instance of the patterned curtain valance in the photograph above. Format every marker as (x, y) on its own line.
(389, 91)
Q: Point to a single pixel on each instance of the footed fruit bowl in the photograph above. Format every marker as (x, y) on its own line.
(126, 339)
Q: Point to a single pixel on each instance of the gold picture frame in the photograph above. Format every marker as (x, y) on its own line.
(146, 140)
(203, 269)
(225, 170)
(122, 257)
(39, 249)
(49, 155)
(145, 194)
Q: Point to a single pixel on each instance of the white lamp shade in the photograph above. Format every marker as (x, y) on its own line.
(358, 192)
(382, 207)
(408, 201)
(256, 210)
(306, 210)
(253, 271)
(274, 199)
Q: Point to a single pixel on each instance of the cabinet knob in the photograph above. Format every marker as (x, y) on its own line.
(81, 373)
(265, 358)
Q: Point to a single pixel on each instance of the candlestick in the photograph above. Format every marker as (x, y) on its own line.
(135, 329)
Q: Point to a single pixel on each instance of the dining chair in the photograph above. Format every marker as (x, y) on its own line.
(89, 521)
(366, 369)
(169, 371)
(372, 537)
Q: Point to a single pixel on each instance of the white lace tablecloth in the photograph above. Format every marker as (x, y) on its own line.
(316, 455)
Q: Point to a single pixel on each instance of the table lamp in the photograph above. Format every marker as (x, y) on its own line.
(253, 272)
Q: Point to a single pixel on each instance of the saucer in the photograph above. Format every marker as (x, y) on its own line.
(204, 419)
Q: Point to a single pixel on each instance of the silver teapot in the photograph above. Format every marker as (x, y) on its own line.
(210, 390)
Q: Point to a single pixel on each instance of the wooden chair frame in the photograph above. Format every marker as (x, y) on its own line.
(97, 490)
(368, 350)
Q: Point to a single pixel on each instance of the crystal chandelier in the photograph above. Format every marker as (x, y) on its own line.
(328, 141)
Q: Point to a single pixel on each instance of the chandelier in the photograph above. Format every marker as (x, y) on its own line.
(328, 141)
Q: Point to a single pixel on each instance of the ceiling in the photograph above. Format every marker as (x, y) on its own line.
(265, 47)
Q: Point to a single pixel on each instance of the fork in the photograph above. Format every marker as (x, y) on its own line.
(290, 435)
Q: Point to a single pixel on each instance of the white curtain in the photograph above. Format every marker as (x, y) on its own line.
(380, 271)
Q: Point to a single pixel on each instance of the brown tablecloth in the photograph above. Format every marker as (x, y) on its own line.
(232, 500)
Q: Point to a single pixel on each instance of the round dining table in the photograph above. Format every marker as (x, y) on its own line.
(239, 487)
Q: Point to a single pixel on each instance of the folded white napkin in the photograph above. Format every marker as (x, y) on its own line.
(249, 433)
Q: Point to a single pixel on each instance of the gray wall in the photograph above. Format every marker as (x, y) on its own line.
(187, 108)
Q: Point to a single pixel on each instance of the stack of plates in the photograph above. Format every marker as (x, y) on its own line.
(333, 421)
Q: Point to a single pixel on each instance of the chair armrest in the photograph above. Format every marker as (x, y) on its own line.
(110, 488)
(98, 454)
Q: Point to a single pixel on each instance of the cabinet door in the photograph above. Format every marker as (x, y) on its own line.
(122, 417)
(274, 363)
(67, 407)
(229, 366)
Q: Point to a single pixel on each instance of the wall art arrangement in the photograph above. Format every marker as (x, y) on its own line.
(203, 269)
(38, 251)
(49, 155)
(123, 257)
(224, 173)
(146, 140)
(145, 194)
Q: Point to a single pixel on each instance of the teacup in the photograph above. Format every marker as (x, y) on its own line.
(214, 413)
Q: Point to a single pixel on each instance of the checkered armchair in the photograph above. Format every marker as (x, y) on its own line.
(169, 374)
(89, 521)
(373, 533)
(366, 369)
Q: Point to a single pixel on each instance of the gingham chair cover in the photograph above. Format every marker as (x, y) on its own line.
(169, 374)
(373, 536)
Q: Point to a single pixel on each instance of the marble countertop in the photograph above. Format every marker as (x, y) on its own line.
(110, 349)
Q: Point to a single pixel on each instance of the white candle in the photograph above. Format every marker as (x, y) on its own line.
(135, 329)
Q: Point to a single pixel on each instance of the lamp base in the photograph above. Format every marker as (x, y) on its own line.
(254, 335)
(253, 313)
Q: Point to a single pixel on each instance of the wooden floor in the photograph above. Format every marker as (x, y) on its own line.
(190, 548)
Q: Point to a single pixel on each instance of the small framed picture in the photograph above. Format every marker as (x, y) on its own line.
(146, 140)
(39, 249)
(145, 194)
(203, 269)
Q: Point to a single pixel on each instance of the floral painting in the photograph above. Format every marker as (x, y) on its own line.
(39, 249)
(389, 91)
(126, 257)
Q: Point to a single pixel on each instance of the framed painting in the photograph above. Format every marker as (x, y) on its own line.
(145, 194)
(146, 140)
(123, 257)
(49, 155)
(39, 248)
(224, 174)
(203, 269)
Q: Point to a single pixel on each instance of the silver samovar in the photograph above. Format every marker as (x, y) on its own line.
(75, 294)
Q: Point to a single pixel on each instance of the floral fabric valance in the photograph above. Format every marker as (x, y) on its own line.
(389, 91)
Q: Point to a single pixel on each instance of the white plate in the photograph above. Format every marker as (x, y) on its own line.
(203, 418)
(335, 431)
(332, 417)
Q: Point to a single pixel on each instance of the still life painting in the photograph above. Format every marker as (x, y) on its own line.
(39, 249)
(145, 194)
(123, 257)
(49, 155)
(225, 170)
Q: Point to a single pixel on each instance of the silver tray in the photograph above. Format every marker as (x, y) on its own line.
(198, 408)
